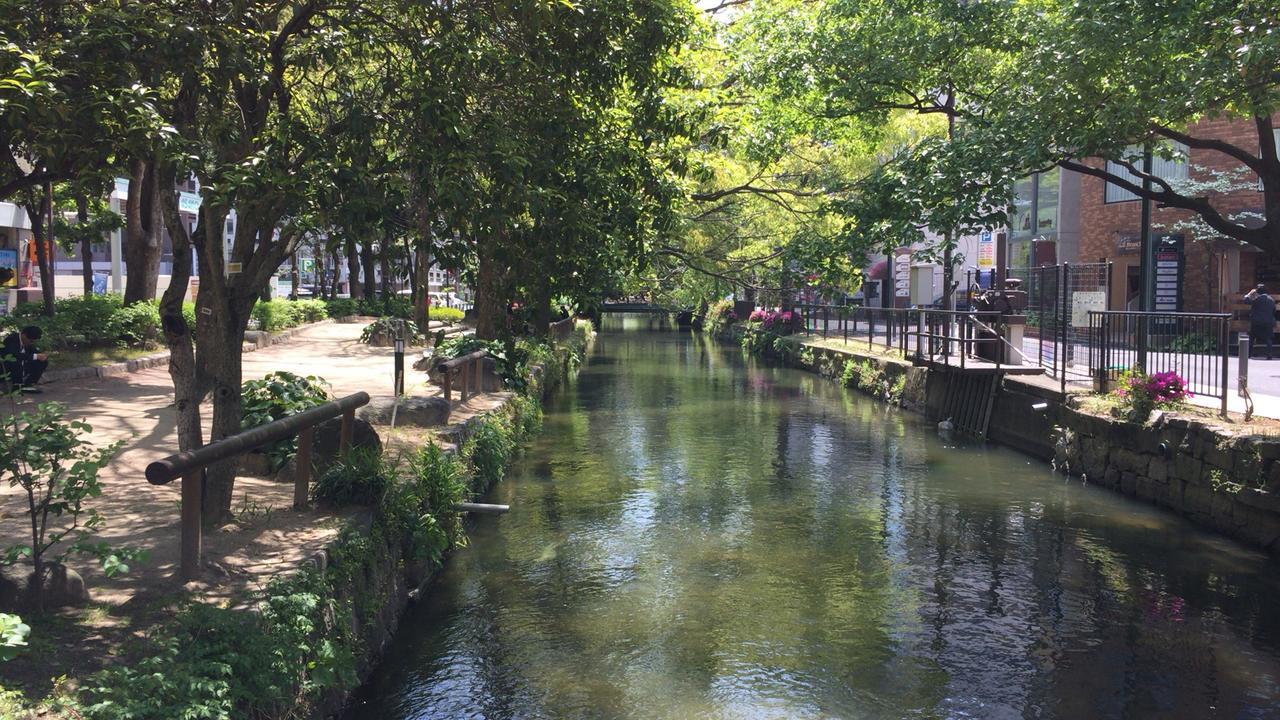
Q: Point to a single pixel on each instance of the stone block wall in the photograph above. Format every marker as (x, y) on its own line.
(1224, 483)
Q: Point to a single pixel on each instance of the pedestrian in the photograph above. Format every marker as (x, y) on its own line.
(23, 361)
(1262, 317)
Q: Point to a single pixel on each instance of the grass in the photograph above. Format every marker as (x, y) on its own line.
(64, 359)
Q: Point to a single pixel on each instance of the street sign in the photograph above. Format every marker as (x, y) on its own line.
(986, 251)
(188, 202)
(1170, 266)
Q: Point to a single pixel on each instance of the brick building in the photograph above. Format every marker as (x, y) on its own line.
(1218, 270)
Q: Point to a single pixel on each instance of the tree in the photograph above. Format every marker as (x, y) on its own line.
(1028, 86)
(94, 219)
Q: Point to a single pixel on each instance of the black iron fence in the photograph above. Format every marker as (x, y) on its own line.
(887, 328)
(1194, 345)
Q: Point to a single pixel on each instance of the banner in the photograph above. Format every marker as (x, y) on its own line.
(9, 261)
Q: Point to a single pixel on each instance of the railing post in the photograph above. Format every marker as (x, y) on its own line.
(919, 331)
(1224, 341)
(447, 379)
(826, 320)
(1060, 358)
(1105, 361)
(344, 438)
(192, 502)
(479, 376)
(844, 321)
(302, 475)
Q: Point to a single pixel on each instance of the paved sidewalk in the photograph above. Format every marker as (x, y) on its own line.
(269, 536)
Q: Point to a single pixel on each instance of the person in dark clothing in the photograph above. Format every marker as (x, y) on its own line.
(1262, 318)
(23, 361)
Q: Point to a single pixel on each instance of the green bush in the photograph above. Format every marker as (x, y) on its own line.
(275, 396)
(274, 315)
(446, 314)
(488, 450)
(391, 328)
(93, 321)
(312, 310)
(360, 479)
(340, 308)
(421, 505)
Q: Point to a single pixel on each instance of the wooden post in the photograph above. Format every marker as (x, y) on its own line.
(348, 426)
(302, 477)
(447, 377)
(479, 376)
(192, 500)
(462, 376)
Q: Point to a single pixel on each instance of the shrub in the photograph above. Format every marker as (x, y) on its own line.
(446, 314)
(488, 450)
(277, 314)
(93, 321)
(384, 331)
(1140, 394)
(13, 636)
(275, 396)
(312, 310)
(341, 307)
(782, 322)
(360, 479)
(422, 505)
(47, 458)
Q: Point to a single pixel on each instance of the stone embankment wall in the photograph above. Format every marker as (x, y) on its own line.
(1228, 484)
(379, 579)
(1220, 482)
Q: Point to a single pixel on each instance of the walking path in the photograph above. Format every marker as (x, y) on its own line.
(268, 536)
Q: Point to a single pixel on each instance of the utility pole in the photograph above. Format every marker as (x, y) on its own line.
(1146, 270)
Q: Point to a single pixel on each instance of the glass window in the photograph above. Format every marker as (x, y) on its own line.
(1047, 203)
(1172, 169)
(1020, 216)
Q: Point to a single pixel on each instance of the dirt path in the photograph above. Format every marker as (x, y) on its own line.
(268, 536)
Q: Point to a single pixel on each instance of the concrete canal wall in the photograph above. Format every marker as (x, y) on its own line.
(1221, 482)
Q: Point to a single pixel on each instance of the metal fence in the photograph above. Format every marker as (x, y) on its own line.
(1059, 298)
(884, 327)
(1194, 345)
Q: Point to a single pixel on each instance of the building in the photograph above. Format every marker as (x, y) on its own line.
(1215, 271)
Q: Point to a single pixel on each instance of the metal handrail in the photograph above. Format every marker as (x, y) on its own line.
(190, 465)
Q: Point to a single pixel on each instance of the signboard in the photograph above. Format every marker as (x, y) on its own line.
(986, 251)
(188, 202)
(9, 261)
(306, 265)
(1169, 262)
(902, 277)
(1083, 302)
(99, 283)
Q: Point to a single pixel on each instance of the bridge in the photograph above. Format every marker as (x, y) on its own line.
(629, 307)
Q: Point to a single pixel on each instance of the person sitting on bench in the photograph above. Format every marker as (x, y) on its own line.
(23, 361)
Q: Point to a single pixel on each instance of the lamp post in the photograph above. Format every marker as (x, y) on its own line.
(399, 363)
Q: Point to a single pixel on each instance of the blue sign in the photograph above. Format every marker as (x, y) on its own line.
(99, 283)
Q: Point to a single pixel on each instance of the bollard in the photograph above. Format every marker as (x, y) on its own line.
(399, 367)
(302, 477)
(1242, 385)
(192, 504)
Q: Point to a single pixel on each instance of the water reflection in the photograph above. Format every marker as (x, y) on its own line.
(699, 535)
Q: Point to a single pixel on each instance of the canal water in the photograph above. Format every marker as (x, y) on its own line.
(699, 535)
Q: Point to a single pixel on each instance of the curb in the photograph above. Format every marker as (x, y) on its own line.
(254, 340)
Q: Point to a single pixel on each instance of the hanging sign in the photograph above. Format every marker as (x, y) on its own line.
(188, 202)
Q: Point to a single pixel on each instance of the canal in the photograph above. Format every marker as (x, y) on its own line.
(699, 535)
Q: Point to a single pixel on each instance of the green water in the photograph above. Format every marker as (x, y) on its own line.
(695, 535)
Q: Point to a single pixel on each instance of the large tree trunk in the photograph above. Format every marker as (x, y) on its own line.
(188, 384)
(86, 244)
(384, 263)
(353, 270)
(491, 296)
(37, 207)
(220, 355)
(370, 269)
(540, 303)
(421, 291)
(142, 233)
(336, 287)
